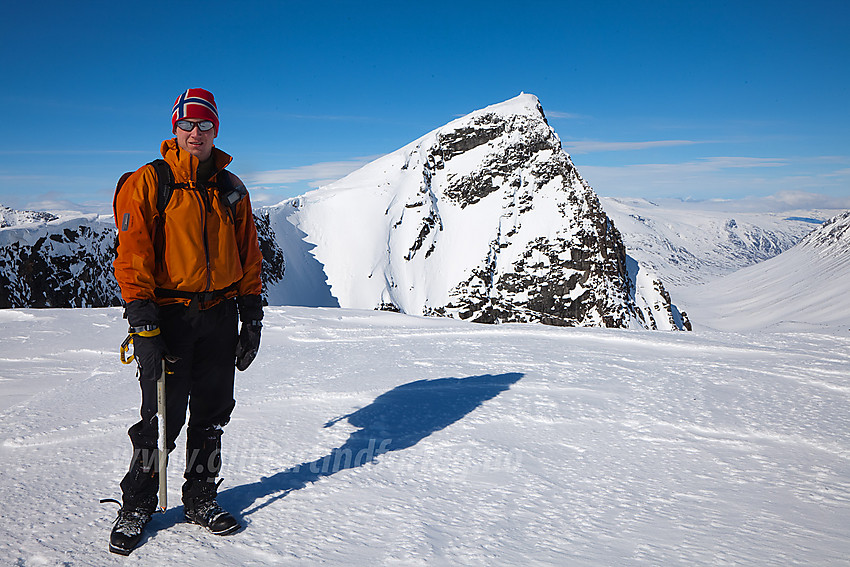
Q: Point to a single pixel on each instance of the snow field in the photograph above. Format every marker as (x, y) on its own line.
(378, 438)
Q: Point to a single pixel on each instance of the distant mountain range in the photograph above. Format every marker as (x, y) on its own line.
(484, 219)
(689, 243)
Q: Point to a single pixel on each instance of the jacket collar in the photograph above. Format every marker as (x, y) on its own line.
(185, 165)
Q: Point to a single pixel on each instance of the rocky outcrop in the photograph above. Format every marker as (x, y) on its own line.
(274, 264)
(10, 217)
(832, 237)
(65, 264)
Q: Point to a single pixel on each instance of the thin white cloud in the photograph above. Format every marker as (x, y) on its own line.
(689, 168)
(804, 200)
(590, 146)
(718, 163)
(565, 115)
(68, 152)
(314, 174)
(845, 172)
(724, 177)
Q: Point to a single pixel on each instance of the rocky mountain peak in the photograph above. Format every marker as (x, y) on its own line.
(485, 219)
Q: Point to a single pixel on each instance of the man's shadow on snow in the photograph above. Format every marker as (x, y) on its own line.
(395, 420)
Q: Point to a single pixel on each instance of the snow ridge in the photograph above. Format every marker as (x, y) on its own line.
(10, 217)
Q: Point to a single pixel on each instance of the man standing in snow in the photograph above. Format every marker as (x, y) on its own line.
(189, 269)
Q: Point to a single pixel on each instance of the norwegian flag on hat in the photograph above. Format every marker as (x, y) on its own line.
(194, 103)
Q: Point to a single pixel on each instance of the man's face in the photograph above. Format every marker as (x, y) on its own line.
(197, 143)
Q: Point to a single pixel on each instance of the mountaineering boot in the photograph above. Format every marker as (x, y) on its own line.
(129, 526)
(139, 502)
(200, 507)
(203, 463)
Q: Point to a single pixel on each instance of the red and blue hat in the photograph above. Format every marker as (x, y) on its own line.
(194, 103)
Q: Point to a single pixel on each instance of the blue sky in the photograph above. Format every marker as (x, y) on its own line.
(652, 99)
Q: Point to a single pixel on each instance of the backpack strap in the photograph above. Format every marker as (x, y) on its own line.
(231, 190)
(126, 220)
(165, 184)
(165, 187)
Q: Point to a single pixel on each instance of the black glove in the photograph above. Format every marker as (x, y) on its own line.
(249, 344)
(251, 315)
(143, 316)
(141, 313)
(149, 352)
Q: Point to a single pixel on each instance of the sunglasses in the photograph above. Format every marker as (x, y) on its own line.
(188, 125)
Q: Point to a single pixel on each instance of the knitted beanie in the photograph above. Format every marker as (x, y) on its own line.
(195, 103)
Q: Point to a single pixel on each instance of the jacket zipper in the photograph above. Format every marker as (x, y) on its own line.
(199, 188)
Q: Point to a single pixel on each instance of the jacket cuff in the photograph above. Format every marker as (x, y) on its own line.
(250, 307)
(142, 312)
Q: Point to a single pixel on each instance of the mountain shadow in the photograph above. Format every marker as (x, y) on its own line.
(395, 420)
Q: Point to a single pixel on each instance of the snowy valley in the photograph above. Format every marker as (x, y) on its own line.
(689, 243)
(804, 288)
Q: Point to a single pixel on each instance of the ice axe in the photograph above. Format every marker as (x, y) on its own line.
(161, 443)
(161, 449)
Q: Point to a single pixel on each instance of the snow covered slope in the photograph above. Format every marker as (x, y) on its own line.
(806, 286)
(369, 438)
(485, 219)
(689, 243)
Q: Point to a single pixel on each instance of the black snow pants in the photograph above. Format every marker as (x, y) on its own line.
(204, 341)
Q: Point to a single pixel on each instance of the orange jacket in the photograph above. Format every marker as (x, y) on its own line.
(203, 250)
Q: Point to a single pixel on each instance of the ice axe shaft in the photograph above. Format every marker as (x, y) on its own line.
(162, 451)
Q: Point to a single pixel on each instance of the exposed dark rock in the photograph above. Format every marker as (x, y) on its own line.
(66, 266)
(273, 260)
